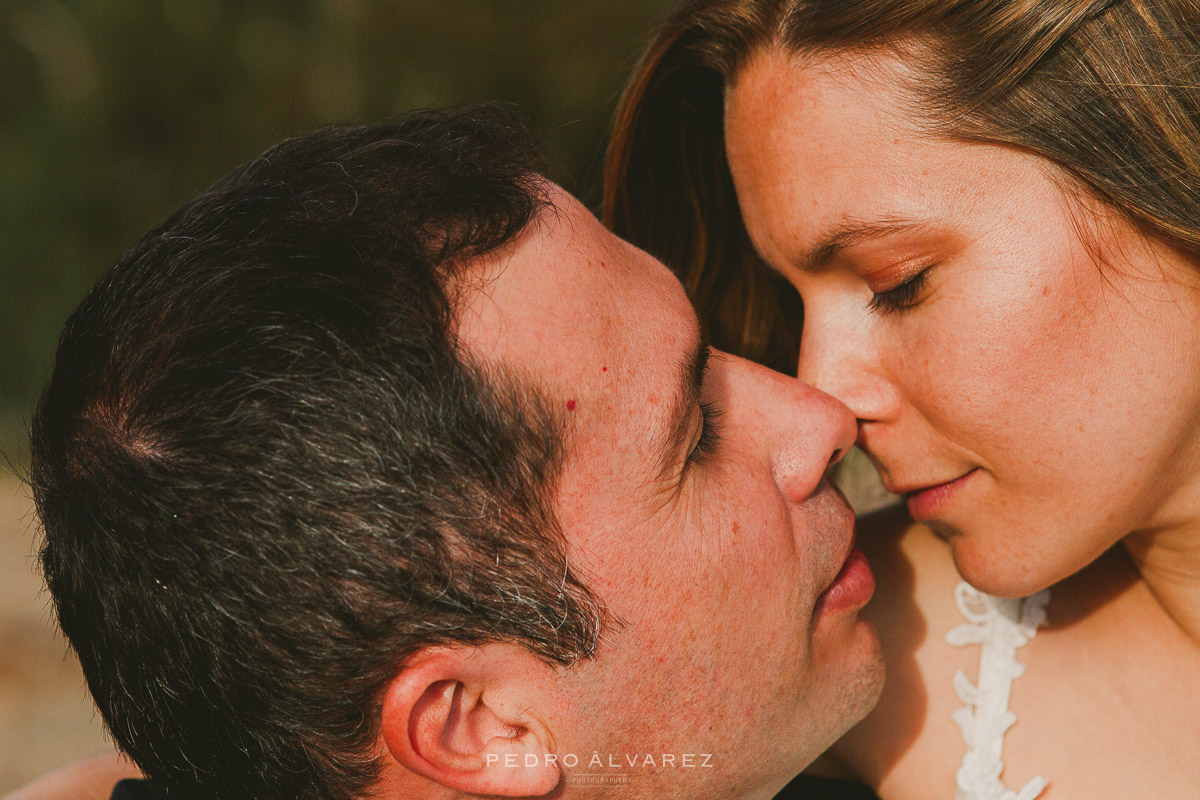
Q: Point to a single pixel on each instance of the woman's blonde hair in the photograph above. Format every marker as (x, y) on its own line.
(1106, 90)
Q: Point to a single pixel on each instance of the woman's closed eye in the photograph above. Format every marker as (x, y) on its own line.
(900, 297)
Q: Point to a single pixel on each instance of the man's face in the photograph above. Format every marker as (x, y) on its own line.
(699, 513)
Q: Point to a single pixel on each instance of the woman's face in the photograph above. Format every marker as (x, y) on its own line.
(1033, 403)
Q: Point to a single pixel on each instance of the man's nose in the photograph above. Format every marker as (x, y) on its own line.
(804, 430)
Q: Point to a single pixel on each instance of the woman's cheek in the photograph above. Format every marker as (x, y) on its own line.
(997, 363)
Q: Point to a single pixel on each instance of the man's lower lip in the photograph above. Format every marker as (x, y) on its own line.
(926, 503)
(852, 588)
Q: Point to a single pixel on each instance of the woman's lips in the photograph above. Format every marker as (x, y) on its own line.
(925, 504)
(852, 587)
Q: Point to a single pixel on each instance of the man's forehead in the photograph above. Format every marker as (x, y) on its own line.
(565, 288)
(529, 296)
(598, 325)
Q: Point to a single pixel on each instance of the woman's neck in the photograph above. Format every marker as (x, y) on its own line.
(1168, 560)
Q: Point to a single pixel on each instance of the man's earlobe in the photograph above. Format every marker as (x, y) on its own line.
(445, 717)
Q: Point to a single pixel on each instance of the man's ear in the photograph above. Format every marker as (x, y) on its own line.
(462, 718)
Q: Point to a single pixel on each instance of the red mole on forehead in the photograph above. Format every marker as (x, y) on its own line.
(604, 369)
(570, 405)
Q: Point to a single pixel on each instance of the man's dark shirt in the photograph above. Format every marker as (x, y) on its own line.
(130, 789)
(802, 788)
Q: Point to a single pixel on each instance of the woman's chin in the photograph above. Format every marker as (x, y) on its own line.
(1000, 571)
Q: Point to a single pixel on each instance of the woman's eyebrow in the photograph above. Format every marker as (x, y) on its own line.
(849, 232)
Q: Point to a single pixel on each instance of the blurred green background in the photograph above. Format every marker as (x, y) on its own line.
(114, 112)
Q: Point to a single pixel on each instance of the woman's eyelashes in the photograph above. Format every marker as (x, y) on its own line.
(900, 297)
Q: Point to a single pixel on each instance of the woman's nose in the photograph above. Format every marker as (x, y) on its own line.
(843, 363)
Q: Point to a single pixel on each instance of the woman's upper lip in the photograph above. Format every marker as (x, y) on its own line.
(912, 487)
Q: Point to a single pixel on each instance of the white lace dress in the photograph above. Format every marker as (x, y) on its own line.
(1000, 627)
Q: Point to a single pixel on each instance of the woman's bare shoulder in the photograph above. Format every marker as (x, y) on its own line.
(910, 730)
(914, 569)
(915, 578)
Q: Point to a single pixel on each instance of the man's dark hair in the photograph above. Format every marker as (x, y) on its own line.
(267, 475)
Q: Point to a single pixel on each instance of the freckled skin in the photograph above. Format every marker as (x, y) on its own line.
(1061, 381)
(717, 650)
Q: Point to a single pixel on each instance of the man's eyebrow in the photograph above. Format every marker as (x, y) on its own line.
(851, 232)
(691, 378)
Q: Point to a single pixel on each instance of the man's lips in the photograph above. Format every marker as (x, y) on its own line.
(854, 584)
(830, 486)
(852, 587)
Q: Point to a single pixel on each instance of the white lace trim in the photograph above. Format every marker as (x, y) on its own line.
(1000, 627)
